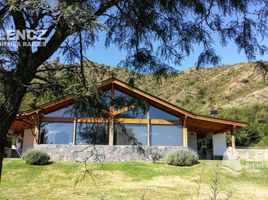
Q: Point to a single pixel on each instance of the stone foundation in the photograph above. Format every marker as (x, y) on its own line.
(103, 152)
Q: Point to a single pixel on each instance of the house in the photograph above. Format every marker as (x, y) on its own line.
(161, 127)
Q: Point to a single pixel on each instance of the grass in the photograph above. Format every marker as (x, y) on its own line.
(127, 180)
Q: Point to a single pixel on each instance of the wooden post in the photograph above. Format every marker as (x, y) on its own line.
(148, 129)
(111, 119)
(74, 131)
(233, 138)
(185, 133)
(36, 127)
(111, 132)
(36, 134)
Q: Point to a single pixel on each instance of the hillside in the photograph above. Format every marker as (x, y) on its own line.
(233, 86)
(238, 91)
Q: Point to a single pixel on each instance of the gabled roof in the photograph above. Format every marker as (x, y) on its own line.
(176, 110)
(194, 122)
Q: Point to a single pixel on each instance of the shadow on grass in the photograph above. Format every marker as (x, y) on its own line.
(38, 165)
(162, 162)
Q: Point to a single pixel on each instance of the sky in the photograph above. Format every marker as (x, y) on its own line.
(112, 56)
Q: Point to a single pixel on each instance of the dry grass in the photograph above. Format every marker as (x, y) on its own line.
(127, 180)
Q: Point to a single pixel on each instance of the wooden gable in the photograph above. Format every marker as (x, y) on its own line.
(194, 122)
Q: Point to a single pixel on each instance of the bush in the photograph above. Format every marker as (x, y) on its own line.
(182, 157)
(156, 156)
(35, 157)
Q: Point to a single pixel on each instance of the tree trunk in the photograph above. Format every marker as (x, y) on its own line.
(8, 111)
(2, 146)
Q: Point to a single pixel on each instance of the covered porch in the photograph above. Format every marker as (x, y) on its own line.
(208, 136)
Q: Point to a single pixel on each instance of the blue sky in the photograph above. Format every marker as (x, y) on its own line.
(112, 55)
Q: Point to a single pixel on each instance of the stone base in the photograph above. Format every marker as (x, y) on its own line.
(103, 152)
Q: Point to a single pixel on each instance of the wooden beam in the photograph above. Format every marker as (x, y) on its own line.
(93, 120)
(36, 134)
(111, 132)
(58, 119)
(36, 127)
(185, 133)
(123, 110)
(165, 121)
(148, 129)
(233, 138)
(105, 120)
(74, 131)
(131, 121)
(145, 121)
(111, 120)
(112, 109)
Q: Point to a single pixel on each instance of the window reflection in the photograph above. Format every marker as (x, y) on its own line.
(156, 113)
(62, 112)
(123, 100)
(130, 134)
(78, 110)
(137, 113)
(166, 135)
(56, 133)
(92, 133)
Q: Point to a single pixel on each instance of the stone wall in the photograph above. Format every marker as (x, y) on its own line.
(103, 152)
(253, 154)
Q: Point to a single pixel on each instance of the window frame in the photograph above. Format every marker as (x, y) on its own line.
(148, 121)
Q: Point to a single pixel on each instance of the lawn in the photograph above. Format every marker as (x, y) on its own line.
(129, 180)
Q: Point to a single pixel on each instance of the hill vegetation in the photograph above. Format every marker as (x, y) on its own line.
(239, 92)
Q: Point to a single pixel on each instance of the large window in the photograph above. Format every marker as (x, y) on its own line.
(92, 124)
(166, 135)
(130, 134)
(56, 133)
(156, 113)
(92, 133)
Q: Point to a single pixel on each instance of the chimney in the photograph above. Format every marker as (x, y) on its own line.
(214, 113)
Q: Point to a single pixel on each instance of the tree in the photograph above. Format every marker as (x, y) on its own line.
(153, 33)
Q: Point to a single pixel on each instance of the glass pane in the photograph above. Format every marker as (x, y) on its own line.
(130, 134)
(139, 113)
(56, 133)
(78, 110)
(166, 135)
(107, 97)
(62, 112)
(156, 113)
(123, 100)
(92, 133)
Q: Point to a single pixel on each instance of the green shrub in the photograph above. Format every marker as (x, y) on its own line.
(35, 157)
(182, 157)
(156, 156)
